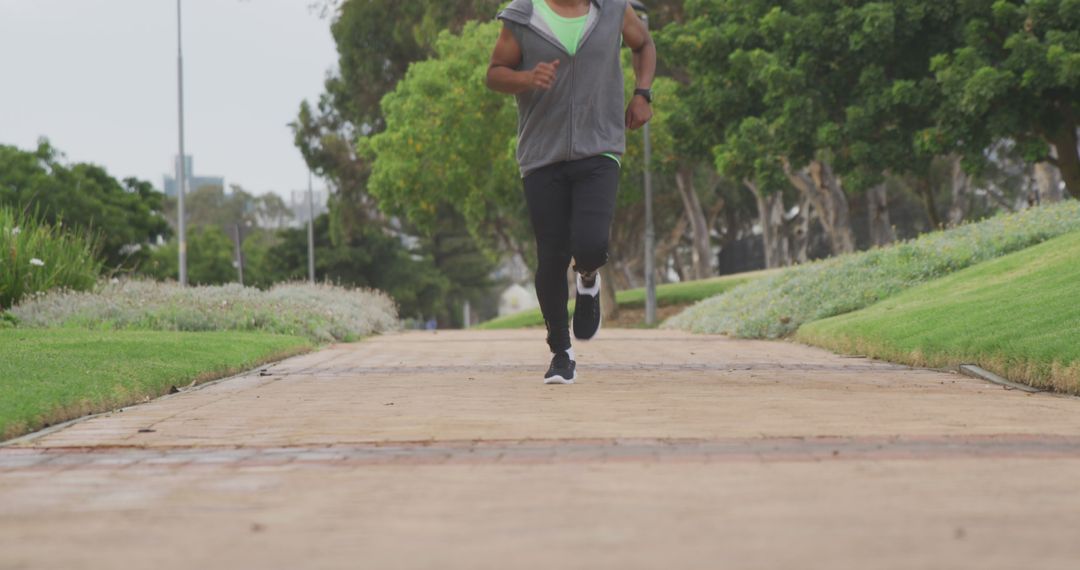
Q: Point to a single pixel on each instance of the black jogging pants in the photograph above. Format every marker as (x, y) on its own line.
(571, 205)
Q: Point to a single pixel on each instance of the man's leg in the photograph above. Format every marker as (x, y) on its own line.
(594, 186)
(547, 194)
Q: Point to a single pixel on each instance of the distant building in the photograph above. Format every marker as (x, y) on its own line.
(194, 182)
(298, 203)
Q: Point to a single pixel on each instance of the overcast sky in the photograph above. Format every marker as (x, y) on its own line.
(98, 78)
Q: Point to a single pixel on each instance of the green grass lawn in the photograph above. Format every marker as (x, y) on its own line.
(1018, 316)
(51, 375)
(685, 293)
(776, 306)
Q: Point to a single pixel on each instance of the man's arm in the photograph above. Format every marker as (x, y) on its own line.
(503, 75)
(636, 37)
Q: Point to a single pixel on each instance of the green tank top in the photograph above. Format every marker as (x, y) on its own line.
(569, 32)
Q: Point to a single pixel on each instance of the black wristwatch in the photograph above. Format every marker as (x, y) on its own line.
(646, 93)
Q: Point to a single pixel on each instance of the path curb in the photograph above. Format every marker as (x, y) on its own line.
(974, 371)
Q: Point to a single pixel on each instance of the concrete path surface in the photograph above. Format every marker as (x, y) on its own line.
(445, 450)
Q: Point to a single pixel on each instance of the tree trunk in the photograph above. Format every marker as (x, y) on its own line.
(714, 212)
(1065, 141)
(771, 215)
(926, 190)
(829, 203)
(667, 246)
(1047, 184)
(877, 214)
(800, 233)
(608, 306)
(699, 226)
(961, 194)
(833, 208)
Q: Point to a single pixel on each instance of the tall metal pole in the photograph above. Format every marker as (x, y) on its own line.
(310, 230)
(650, 230)
(181, 183)
(239, 255)
(650, 237)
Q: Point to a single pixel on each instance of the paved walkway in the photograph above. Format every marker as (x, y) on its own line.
(445, 450)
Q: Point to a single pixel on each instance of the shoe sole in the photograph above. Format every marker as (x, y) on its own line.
(560, 380)
(599, 324)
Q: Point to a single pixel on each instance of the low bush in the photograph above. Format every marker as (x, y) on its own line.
(668, 294)
(322, 313)
(36, 257)
(776, 306)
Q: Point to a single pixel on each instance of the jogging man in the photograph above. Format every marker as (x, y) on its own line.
(561, 58)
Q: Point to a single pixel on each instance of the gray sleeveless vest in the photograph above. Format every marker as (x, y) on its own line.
(583, 114)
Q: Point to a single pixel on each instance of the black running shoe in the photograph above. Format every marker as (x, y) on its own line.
(562, 370)
(587, 310)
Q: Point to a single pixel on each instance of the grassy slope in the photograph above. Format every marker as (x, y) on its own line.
(1018, 316)
(668, 294)
(776, 306)
(52, 375)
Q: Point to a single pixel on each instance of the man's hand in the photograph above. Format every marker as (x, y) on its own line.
(638, 113)
(544, 74)
(504, 73)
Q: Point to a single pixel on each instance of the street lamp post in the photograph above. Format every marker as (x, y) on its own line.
(310, 230)
(182, 174)
(650, 230)
(239, 241)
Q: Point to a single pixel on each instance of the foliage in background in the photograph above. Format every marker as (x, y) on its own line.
(51, 376)
(322, 313)
(36, 256)
(668, 294)
(777, 306)
(449, 141)
(838, 86)
(368, 259)
(213, 206)
(1015, 74)
(376, 42)
(449, 145)
(1017, 316)
(210, 258)
(821, 101)
(125, 215)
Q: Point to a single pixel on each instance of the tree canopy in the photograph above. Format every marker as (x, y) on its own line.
(1014, 73)
(449, 141)
(125, 214)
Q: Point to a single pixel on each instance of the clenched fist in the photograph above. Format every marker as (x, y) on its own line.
(544, 74)
(638, 113)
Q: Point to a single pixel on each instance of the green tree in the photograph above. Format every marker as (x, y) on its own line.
(1016, 75)
(210, 258)
(376, 40)
(826, 96)
(449, 141)
(212, 206)
(127, 215)
(369, 259)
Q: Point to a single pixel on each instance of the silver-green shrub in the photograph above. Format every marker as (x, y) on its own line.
(322, 313)
(776, 306)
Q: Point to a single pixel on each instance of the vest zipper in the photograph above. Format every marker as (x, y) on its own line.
(570, 142)
(570, 58)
